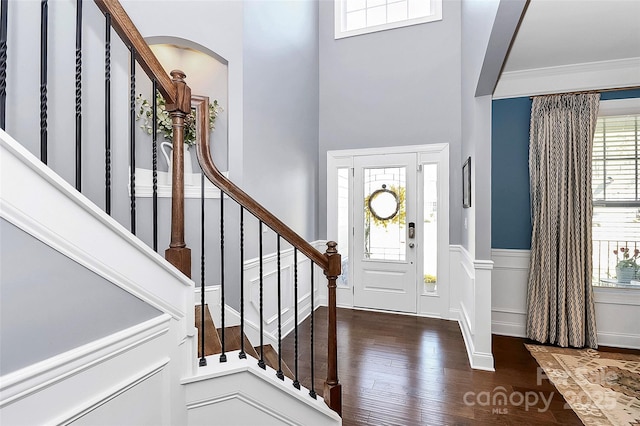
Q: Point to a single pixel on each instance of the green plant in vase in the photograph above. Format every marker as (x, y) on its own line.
(164, 127)
(164, 123)
(627, 267)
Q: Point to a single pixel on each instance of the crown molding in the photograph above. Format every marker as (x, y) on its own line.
(618, 73)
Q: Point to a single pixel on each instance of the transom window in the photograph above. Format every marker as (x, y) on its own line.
(354, 17)
(616, 198)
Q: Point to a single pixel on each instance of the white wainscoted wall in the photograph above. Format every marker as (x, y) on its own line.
(617, 309)
(470, 303)
(270, 295)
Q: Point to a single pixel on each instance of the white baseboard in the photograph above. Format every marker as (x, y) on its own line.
(619, 340)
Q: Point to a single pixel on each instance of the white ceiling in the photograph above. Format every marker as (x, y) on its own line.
(563, 32)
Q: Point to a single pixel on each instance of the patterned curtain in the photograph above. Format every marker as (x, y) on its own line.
(560, 297)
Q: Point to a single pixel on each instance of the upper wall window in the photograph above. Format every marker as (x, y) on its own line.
(355, 17)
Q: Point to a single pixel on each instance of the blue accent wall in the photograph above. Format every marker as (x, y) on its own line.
(510, 202)
(510, 205)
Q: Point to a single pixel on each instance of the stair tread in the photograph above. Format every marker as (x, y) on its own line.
(232, 336)
(271, 359)
(232, 341)
(212, 344)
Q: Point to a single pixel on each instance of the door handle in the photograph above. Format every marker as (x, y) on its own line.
(411, 245)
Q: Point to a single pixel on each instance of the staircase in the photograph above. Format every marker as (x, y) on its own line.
(236, 340)
(196, 374)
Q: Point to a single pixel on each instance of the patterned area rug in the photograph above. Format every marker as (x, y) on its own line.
(603, 388)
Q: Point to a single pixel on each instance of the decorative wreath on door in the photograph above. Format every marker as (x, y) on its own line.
(386, 206)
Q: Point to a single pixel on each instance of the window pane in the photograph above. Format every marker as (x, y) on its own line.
(419, 8)
(616, 227)
(615, 159)
(384, 229)
(397, 11)
(376, 16)
(355, 5)
(430, 233)
(613, 228)
(383, 14)
(343, 223)
(356, 20)
(374, 3)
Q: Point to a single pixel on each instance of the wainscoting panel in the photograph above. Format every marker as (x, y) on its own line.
(124, 378)
(239, 392)
(617, 309)
(270, 295)
(471, 290)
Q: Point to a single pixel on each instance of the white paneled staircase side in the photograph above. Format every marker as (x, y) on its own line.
(120, 379)
(38, 201)
(245, 394)
(132, 376)
(470, 305)
(617, 309)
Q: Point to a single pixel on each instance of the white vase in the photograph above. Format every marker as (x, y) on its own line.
(188, 169)
(625, 274)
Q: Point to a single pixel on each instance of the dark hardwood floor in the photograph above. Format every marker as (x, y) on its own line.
(406, 370)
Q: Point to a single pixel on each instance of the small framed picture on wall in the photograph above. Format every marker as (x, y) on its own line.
(466, 184)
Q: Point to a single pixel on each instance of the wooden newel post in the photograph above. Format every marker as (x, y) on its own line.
(332, 388)
(178, 253)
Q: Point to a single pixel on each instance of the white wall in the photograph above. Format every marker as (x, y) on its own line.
(281, 110)
(391, 88)
(102, 368)
(217, 26)
(92, 307)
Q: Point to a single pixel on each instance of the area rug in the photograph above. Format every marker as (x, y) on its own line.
(602, 388)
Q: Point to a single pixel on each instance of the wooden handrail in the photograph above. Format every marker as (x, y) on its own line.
(330, 262)
(177, 95)
(130, 35)
(200, 103)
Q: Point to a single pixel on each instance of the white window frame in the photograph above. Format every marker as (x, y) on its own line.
(616, 107)
(340, 18)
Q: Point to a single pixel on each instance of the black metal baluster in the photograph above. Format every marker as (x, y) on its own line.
(132, 139)
(4, 4)
(107, 113)
(242, 354)
(203, 360)
(312, 392)
(44, 30)
(223, 355)
(296, 383)
(154, 137)
(79, 95)
(261, 363)
(279, 373)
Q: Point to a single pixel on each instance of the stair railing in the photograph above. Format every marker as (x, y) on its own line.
(177, 95)
(179, 103)
(329, 262)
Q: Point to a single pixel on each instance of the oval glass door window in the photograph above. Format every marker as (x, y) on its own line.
(384, 204)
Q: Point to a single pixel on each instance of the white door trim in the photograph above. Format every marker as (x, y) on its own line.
(428, 305)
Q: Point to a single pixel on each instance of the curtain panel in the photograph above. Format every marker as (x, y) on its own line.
(560, 296)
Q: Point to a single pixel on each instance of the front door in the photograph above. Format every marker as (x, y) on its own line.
(384, 232)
